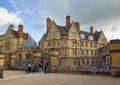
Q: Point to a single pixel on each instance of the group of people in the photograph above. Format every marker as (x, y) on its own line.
(31, 68)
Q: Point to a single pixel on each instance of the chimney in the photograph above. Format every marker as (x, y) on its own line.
(67, 21)
(49, 23)
(20, 30)
(11, 27)
(91, 31)
(77, 25)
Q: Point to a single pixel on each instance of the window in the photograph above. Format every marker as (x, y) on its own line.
(53, 43)
(28, 55)
(53, 34)
(49, 44)
(87, 61)
(86, 44)
(86, 52)
(83, 60)
(7, 47)
(91, 52)
(20, 56)
(7, 44)
(73, 51)
(108, 60)
(74, 34)
(58, 43)
(50, 34)
(91, 45)
(92, 60)
(7, 40)
(82, 43)
(83, 53)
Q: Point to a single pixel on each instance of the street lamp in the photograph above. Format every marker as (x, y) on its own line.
(81, 51)
(75, 44)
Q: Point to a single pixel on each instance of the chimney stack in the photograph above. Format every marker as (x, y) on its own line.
(20, 30)
(49, 23)
(67, 21)
(77, 25)
(11, 27)
(91, 31)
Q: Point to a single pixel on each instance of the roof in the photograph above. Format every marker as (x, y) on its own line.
(64, 32)
(30, 43)
(2, 35)
(85, 33)
(115, 41)
(63, 29)
(25, 35)
(97, 35)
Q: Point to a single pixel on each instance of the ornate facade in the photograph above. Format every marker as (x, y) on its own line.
(16, 48)
(71, 41)
(69, 44)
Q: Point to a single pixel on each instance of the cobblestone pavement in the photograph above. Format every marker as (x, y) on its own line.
(20, 78)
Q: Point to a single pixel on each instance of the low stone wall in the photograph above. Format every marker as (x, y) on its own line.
(106, 73)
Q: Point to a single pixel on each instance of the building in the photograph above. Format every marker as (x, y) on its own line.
(104, 58)
(16, 47)
(71, 41)
(115, 56)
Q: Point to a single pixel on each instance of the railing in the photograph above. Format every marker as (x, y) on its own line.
(76, 64)
(21, 64)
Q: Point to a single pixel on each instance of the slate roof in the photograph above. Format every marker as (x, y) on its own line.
(30, 43)
(2, 35)
(85, 33)
(25, 35)
(64, 32)
(97, 35)
(64, 29)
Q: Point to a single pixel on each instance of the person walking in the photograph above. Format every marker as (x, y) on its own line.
(46, 68)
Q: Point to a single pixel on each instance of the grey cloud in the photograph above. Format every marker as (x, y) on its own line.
(96, 13)
(93, 11)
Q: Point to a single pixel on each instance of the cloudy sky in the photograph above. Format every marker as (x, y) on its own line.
(101, 14)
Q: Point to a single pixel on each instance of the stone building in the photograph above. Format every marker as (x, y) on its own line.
(115, 56)
(72, 42)
(104, 58)
(17, 48)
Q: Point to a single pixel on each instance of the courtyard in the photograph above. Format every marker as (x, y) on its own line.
(20, 78)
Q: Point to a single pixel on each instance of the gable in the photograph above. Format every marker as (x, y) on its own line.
(53, 33)
(8, 33)
(102, 38)
(73, 33)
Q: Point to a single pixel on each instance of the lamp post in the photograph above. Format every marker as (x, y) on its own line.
(75, 44)
(81, 52)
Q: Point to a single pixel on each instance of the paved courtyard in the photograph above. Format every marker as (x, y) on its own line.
(20, 78)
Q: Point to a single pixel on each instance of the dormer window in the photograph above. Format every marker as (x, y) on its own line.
(74, 34)
(53, 34)
(82, 36)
